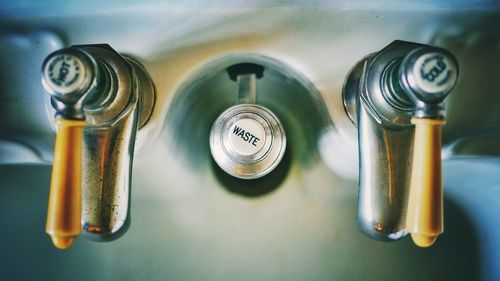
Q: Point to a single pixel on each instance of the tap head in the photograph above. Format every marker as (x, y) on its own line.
(428, 75)
(68, 76)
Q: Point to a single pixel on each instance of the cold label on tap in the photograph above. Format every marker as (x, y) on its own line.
(434, 73)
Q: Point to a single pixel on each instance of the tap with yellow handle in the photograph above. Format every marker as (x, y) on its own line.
(69, 77)
(427, 77)
(395, 99)
(101, 100)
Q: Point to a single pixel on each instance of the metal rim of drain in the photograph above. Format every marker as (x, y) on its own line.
(252, 149)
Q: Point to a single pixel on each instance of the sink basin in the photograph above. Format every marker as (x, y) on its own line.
(192, 222)
(303, 231)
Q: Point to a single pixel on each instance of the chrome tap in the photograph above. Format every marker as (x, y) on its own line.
(386, 95)
(101, 99)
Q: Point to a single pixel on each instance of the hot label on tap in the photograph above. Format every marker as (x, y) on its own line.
(64, 73)
(247, 136)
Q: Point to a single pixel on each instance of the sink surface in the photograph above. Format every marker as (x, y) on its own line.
(303, 231)
(191, 222)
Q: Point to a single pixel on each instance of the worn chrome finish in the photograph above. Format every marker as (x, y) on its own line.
(351, 90)
(381, 95)
(121, 99)
(109, 144)
(384, 176)
(385, 139)
(145, 87)
(253, 159)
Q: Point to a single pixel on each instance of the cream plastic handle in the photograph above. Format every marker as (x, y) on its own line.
(424, 219)
(65, 200)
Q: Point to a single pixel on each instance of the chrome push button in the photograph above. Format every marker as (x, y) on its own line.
(247, 141)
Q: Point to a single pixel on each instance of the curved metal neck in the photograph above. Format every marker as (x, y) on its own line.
(246, 88)
(113, 114)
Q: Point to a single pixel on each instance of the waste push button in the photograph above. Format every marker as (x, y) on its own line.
(247, 141)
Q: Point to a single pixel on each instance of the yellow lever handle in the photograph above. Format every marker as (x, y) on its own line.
(64, 211)
(424, 219)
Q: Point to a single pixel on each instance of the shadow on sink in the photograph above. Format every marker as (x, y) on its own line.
(160, 248)
(256, 187)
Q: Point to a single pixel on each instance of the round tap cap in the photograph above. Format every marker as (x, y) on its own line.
(67, 73)
(247, 141)
(430, 73)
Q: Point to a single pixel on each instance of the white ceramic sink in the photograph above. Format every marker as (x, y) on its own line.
(189, 222)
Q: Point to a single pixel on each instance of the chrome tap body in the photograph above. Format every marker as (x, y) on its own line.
(119, 101)
(380, 99)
